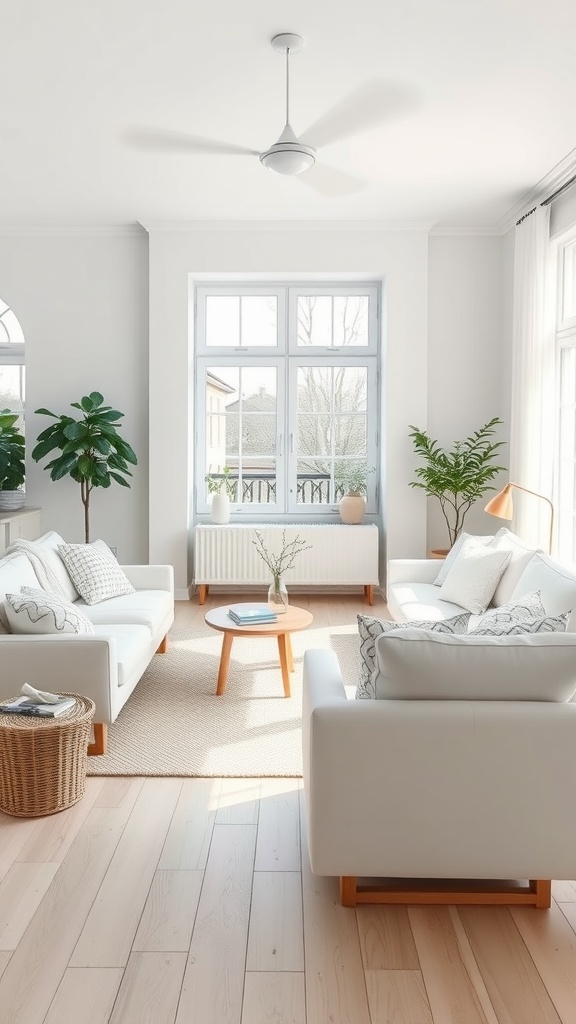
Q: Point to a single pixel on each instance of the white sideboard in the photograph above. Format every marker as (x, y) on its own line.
(26, 523)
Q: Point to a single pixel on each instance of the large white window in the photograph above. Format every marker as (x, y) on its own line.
(286, 403)
(11, 361)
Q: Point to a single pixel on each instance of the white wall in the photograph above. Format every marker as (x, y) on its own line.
(398, 258)
(468, 353)
(82, 301)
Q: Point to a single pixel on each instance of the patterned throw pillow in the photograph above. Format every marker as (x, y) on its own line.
(370, 629)
(37, 611)
(525, 608)
(548, 624)
(96, 576)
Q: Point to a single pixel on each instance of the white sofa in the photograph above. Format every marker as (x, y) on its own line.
(444, 788)
(105, 666)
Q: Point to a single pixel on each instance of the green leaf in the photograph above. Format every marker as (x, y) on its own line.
(119, 479)
(45, 412)
(96, 398)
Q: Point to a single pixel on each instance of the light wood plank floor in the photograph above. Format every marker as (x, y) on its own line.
(191, 901)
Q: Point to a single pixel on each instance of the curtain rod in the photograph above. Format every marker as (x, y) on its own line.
(549, 199)
(559, 191)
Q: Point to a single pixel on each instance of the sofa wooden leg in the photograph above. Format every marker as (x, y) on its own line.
(543, 892)
(100, 744)
(348, 890)
(163, 646)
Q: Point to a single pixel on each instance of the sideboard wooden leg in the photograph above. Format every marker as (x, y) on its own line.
(369, 593)
(348, 890)
(202, 591)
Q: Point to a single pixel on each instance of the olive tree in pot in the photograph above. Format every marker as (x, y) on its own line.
(12, 467)
(91, 450)
(457, 476)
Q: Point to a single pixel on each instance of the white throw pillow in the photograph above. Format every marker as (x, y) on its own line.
(36, 611)
(525, 609)
(15, 571)
(452, 555)
(96, 576)
(557, 585)
(414, 664)
(520, 556)
(474, 577)
(370, 629)
(547, 624)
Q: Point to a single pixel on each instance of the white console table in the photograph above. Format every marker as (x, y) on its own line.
(337, 555)
(25, 524)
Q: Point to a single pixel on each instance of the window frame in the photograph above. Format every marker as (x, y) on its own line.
(286, 357)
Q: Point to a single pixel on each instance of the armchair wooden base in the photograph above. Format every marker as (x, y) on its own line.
(536, 893)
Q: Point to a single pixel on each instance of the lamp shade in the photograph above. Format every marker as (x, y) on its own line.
(501, 504)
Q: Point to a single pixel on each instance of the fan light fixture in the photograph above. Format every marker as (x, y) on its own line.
(288, 155)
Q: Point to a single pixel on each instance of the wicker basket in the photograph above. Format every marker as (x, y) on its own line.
(43, 760)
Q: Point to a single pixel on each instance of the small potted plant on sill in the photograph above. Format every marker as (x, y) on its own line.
(459, 475)
(12, 466)
(352, 483)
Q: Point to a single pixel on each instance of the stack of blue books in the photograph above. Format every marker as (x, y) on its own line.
(248, 614)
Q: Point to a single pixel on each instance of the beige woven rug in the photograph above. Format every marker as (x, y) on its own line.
(173, 724)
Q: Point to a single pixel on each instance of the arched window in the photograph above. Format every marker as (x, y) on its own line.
(11, 361)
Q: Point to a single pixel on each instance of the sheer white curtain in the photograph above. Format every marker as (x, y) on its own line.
(532, 427)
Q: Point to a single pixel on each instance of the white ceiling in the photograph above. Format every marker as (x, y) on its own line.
(474, 102)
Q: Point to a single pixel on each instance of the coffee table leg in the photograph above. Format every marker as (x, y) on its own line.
(289, 655)
(282, 649)
(224, 663)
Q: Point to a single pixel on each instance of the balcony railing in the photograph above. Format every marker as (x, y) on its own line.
(260, 488)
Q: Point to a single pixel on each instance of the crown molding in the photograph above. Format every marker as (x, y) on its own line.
(74, 231)
(463, 230)
(288, 225)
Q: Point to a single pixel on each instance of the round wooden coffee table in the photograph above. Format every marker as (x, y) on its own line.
(293, 620)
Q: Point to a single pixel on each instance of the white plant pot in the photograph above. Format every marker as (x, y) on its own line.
(10, 501)
(220, 509)
(352, 508)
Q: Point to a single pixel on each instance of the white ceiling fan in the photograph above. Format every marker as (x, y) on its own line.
(363, 109)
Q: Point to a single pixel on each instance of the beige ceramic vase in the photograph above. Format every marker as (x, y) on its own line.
(352, 507)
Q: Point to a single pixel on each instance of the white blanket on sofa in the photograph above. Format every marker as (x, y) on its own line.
(42, 560)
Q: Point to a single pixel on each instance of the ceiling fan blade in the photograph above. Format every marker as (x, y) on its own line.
(331, 182)
(179, 142)
(365, 108)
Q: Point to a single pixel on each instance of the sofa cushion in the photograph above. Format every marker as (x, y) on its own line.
(452, 555)
(420, 601)
(546, 624)
(15, 572)
(525, 608)
(142, 608)
(556, 583)
(416, 664)
(36, 611)
(96, 575)
(370, 629)
(474, 576)
(520, 555)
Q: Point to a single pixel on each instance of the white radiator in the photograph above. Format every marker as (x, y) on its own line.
(338, 554)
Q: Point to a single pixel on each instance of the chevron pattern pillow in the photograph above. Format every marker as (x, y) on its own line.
(370, 629)
(523, 609)
(548, 624)
(37, 611)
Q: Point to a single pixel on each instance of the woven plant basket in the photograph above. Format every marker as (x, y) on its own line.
(43, 760)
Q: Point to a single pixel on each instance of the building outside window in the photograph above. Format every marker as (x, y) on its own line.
(287, 385)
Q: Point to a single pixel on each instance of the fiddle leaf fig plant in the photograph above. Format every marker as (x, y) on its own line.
(91, 450)
(12, 467)
(460, 475)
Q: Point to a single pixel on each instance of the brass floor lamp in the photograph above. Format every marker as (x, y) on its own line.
(502, 505)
